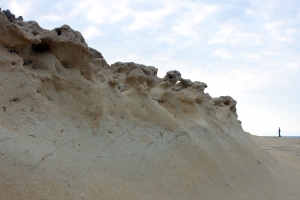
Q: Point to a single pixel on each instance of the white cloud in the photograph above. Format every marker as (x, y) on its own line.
(98, 13)
(91, 33)
(52, 17)
(19, 8)
(292, 66)
(186, 22)
(149, 19)
(222, 53)
(252, 56)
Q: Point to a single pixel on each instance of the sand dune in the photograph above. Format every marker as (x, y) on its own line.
(75, 127)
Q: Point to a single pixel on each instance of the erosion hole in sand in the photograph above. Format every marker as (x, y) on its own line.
(58, 31)
(34, 33)
(15, 100)
(27, 62)
(65, 65)
(40, 48)
(227, 103)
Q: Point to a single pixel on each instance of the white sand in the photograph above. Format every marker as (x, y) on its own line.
(285, 150)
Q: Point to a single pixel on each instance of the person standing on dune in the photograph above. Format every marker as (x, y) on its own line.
(279, 132)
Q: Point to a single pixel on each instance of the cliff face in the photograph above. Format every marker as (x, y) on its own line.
(74, 127)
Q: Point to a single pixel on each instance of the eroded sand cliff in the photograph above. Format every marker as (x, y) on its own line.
(74, 127)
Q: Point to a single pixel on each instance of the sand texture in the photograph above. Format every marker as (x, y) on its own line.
(285, 150)
(74, 127)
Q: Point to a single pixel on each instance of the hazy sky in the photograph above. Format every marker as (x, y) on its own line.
(247, 49)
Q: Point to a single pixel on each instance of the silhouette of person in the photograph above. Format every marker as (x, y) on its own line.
(279, 132)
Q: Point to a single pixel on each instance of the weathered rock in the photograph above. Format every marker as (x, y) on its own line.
(226, 101)
(172, 77)
(13, 35)
(66, 44)
(95, 53)
(144, 74)
(30, 26)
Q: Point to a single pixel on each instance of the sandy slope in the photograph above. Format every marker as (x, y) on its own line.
(74, 127)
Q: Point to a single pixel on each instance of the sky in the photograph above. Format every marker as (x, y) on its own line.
(246, 49)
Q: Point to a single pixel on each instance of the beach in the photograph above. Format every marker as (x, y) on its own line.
(284, 149)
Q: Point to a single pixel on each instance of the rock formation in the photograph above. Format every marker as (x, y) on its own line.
(75, 127)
